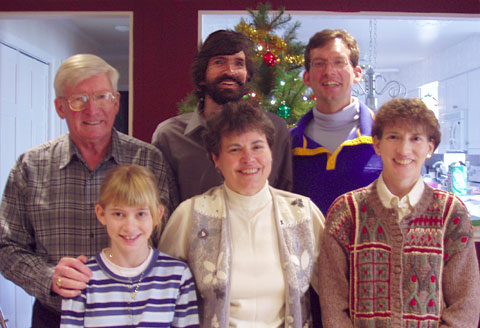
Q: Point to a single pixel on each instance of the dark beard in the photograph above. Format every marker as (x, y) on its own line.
(222, 96)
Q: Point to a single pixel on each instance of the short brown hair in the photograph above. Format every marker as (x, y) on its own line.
(237, 117)
(322, 38)
(221, 42)
(411, 112)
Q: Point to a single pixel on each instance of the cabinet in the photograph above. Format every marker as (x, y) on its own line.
(459, 113)
(452, 112)
(457, 93)
(473, 115)
(453, 128)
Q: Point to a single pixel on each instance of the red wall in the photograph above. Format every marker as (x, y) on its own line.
(165, 39)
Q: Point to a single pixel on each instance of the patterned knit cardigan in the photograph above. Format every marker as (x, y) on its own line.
(209, 255)
(377, 272)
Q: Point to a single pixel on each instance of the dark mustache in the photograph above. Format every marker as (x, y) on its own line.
(228, 77)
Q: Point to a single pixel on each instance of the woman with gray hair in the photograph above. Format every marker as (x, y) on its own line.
(253, 249)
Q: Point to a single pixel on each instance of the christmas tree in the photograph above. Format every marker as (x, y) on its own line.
(277, 83)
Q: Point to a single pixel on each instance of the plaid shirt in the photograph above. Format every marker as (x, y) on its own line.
(47, 209)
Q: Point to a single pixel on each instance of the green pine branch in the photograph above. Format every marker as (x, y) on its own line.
(263, 20)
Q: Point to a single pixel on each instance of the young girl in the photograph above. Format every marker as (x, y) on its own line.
(132, 284)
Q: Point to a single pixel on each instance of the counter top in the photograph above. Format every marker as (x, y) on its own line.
(472, 202)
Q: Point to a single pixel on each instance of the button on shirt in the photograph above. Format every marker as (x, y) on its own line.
(403, 205)
(48, 210)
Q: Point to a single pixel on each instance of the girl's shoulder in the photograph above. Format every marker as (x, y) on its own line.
(166, 259)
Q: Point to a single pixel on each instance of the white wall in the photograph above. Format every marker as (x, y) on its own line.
(50, 42)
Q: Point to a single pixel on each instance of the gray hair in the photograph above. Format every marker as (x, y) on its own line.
(78, 68)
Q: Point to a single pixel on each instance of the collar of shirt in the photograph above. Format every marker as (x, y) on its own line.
(196, 122)
(339, 120)
(406, 203)
(249, 205)
(69, 149)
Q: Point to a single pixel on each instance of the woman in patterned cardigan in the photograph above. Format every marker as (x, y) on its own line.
(398, 253)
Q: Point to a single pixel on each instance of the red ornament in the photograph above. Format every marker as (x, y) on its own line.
(269, 58)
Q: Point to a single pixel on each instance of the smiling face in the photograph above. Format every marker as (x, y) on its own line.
(225, 77)
(332, 84)
(404, 149)
(129, 229)
(94, 124)
(245, 161)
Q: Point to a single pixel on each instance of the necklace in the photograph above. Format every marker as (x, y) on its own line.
(134, 293)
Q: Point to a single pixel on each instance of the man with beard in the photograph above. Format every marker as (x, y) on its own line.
(220, 70)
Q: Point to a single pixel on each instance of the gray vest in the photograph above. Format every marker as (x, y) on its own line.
(209, 255)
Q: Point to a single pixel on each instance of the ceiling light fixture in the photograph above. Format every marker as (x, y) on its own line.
(368, 86)
(122, 28)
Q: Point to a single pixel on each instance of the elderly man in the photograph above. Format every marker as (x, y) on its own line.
(47, 219)
(220, 70)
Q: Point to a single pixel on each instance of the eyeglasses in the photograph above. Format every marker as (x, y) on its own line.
(79, 102)
(337, 64)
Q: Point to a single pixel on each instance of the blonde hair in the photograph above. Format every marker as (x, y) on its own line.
(78, 68)
(131, 185)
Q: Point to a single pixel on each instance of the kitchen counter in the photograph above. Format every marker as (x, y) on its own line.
(473, 205)
(471, 201)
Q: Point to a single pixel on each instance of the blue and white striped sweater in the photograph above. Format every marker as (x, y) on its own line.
(165, 298)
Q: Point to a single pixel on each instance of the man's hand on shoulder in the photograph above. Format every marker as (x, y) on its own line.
(70, 276)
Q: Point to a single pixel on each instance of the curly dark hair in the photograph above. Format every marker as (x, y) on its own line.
(221, 42)
(237, 117)
(322, 38)
(411, 112)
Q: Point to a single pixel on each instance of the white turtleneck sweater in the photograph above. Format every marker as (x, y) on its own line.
(257, 284)
(330, 130)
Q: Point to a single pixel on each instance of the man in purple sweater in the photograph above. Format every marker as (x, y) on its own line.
(332, 143)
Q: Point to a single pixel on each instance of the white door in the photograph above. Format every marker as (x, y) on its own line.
(23, 125)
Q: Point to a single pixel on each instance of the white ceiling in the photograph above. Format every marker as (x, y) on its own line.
(400, 39)
(110, 32)
(100, 28)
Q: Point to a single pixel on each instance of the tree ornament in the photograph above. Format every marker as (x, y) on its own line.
(278, 63)
(283, 111)
(269, 58)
